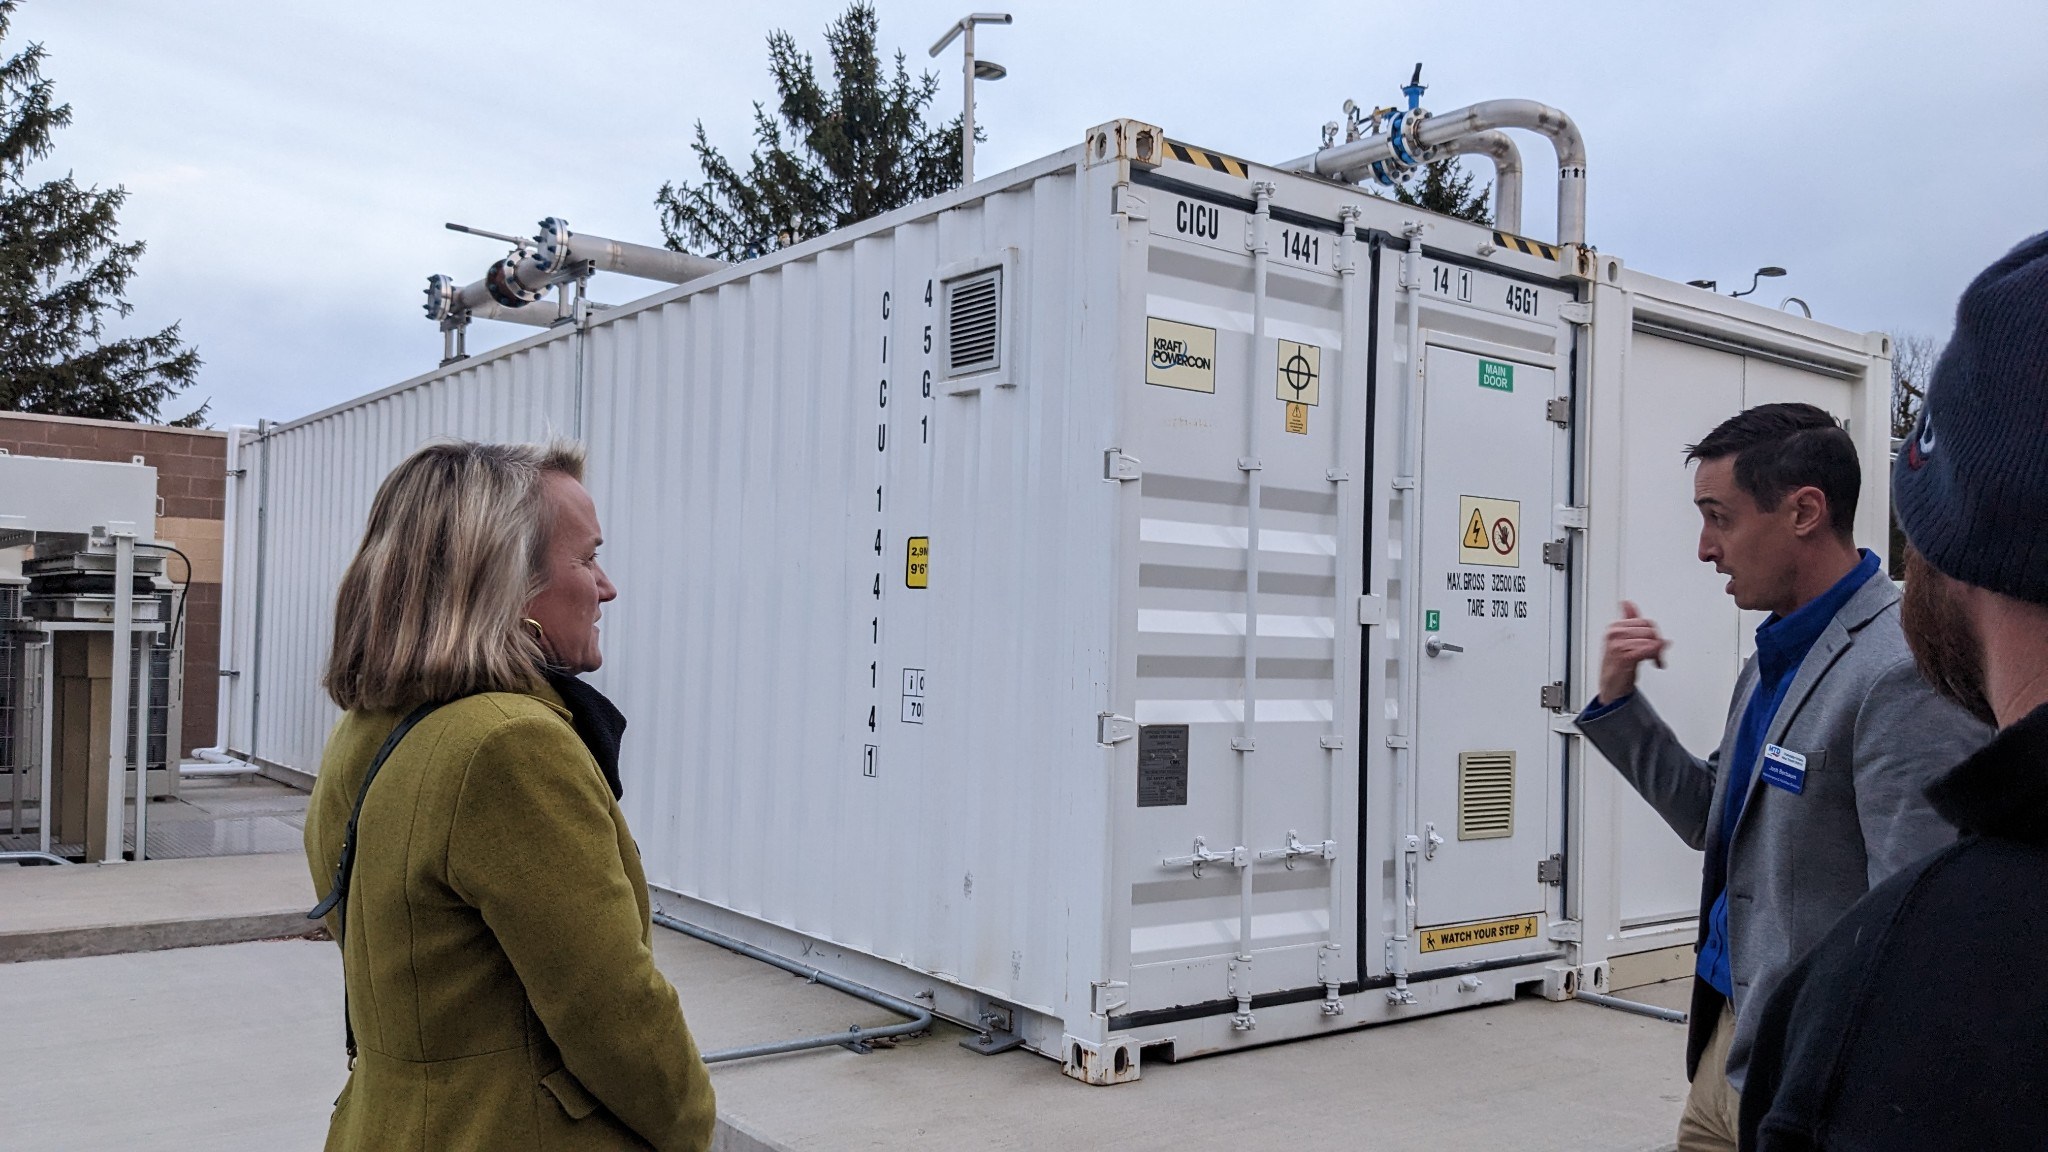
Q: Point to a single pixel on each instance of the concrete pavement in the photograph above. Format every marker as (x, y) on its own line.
(51, 912)
(239, 1047)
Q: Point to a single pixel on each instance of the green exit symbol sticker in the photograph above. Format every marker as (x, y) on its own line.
(1496, 375)
(1432, 620)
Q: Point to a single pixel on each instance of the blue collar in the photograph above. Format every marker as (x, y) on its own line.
(1783, 641)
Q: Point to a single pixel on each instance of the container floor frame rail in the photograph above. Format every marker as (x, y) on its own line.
(1058, 602)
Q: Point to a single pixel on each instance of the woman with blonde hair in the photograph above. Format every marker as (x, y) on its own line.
(498, 971)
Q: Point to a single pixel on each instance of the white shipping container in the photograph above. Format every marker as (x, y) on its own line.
(1140, 598)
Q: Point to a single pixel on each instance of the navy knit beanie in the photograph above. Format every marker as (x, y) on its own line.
(1971, 483)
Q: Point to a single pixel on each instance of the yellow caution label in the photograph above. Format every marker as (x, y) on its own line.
(1298, 372)
(1524, 245)
(1489, 531)
(1479, 932)
(1297, 418)
(1203, 158)
(917, 567)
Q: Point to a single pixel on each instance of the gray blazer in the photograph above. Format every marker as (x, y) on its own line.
(1874, 735)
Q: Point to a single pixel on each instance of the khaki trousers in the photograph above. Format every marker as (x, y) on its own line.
(1713, 1108)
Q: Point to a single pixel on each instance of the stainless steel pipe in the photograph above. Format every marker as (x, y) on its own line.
(1431, 133)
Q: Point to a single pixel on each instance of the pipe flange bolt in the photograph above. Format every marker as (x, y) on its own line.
(502, 282)
(440, 297)
(551, 244)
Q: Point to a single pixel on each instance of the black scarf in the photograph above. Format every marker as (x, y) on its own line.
(597, 720)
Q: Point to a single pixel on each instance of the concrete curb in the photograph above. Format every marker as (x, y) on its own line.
(109, 939)
(735, 1135)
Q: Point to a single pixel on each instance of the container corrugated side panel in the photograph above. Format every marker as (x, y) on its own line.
(1670, 363)
(741, 434)
(310, 511)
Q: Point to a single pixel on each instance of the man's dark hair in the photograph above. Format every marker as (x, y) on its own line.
(1780, 448)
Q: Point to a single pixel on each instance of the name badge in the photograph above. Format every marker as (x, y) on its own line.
(1784, 769)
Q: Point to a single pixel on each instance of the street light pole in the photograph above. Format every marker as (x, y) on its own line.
(965, 26)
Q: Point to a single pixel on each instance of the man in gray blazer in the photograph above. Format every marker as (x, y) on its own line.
(1815, 794)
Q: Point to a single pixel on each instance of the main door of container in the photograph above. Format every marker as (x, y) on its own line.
(1488, 600)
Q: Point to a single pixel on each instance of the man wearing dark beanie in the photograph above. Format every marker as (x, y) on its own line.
(1921, 1020)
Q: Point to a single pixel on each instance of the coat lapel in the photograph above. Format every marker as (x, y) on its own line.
(1875, 596)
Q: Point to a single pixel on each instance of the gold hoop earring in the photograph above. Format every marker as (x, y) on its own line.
(540, 635)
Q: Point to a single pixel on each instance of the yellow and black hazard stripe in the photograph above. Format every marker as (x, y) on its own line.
(1524, 246)
(1201, 158)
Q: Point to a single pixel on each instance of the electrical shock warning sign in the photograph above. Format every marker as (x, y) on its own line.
(1180, 355)
(1489, 531)
(1479, 932)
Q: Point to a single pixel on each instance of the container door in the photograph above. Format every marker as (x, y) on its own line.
(1201, 812)
(1484, 742)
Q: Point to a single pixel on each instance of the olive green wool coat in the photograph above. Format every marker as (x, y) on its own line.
(498, 952)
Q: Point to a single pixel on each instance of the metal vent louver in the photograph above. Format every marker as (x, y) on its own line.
(1486, 795)
(974, 323)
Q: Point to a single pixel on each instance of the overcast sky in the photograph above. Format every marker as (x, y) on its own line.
(290, 165)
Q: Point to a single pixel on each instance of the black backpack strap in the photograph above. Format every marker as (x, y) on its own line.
(345, 868)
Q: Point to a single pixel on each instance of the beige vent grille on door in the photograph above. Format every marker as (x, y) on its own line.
(974, 323)
(1486, 795)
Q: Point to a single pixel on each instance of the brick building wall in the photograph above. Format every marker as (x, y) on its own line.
(191, 480)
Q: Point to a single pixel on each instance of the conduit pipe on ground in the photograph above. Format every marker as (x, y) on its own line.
(1635, 1006)
(1430, 133)
(1507, 173)
(920, 1017)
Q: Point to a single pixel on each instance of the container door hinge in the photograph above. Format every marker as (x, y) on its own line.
(1564, 931)
(1553, 696)
(1571, 516)
(1558, 553)
(1372, 611)
(1550, 869)
(1105, 995)
(1575, 312)
(1111, 728)
(1558, 410)
(1117, 466)
(1129, 204)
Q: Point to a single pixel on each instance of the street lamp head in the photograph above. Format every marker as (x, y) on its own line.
(989, 70)
(1771, 270)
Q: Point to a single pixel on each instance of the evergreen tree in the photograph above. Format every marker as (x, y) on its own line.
(852, 152)
(1446, 187)
(63, 270)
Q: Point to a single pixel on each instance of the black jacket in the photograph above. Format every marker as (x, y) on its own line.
(1921, 1021)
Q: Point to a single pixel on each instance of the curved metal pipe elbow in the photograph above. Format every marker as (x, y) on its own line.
(1533, 116)
(1440, 131)
(1507, 173)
